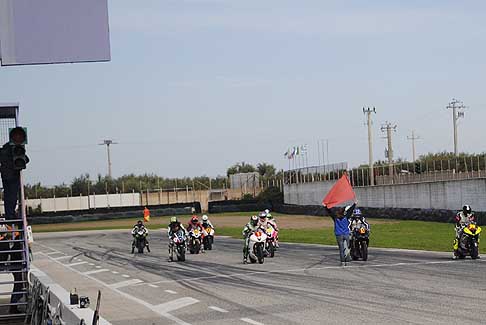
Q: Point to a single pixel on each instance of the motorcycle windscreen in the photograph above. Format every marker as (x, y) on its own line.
(53, 31)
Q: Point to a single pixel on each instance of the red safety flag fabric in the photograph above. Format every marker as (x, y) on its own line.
(341, 192)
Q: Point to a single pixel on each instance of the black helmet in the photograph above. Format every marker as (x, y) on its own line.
(467, 209)
(254, 220)
(140, 223)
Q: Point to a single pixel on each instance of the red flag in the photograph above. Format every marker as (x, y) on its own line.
(341, 192)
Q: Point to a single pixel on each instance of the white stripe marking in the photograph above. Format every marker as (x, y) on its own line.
(91, 264)
(176, 304)
(125, 283)
(78, 263)
(98, 267)
(171, 292)
(250, 321)
(53, 253)
(96, 271)
(125, 276)
(153, 286)
(62, 257)
(115, 272)
(219, 310)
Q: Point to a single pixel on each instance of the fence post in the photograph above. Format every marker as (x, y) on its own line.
(187, 193)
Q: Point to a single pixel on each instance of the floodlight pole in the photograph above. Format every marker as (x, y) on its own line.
(369, 123)
(456, 106)
(107, 143)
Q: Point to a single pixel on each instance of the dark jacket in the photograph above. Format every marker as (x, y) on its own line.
(341, 224)
(6, 162)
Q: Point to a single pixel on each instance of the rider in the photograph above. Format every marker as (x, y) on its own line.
(250, 228)
(175, 229)
(263, 221)
(462, 219)
(272, 222)
(194, 224)
(357, 220)
(206, 223)
(136, 228)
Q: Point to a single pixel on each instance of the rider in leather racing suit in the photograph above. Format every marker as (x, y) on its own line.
(135, 230)
(272, 222)
(357, 220)
(206, 222)
(462, 219)
(250, 228)
(175, 229)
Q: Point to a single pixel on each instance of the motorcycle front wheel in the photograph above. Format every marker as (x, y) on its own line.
(474, 250)
(259, 254)
(364, 251)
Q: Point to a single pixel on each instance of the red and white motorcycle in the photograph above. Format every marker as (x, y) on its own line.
(256, 247)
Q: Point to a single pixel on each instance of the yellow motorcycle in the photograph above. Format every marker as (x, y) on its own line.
(468, 243)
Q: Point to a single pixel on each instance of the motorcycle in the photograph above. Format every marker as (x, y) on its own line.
(195, 241)
(208, 238)
(178, 247)
(359, 243)
(140, 241)
(256, 247)
(468, 243)
(271, 242)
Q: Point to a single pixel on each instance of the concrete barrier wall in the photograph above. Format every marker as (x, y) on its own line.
(446, 195)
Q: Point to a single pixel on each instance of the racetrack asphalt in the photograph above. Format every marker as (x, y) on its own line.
(303, 284)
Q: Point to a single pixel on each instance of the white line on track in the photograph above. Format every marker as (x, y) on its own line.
(171, 292)
(62, 257)
(219, 310)
(307, 269)
(77, 263)
(95, 272)
(250, 321)
(176, 304)
(125, 276)
(153, 286)
(115, 272)
(91, 264)
(98, 267)
(125, 283)
(53, 253)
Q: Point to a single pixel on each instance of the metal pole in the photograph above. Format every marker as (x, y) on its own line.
(456, 106)
(368, 112)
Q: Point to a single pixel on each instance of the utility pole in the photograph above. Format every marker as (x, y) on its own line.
(456, 107)
(108, 143)
(389, 128)
(369, 122)
(413, 138)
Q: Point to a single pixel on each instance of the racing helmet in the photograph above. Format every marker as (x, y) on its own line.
(139, 223)
(357, 212)
(467, 209)
(269, 216)
(173, 220)
(254, 220)
(205, 218)
(194, 220)
(262, 215)
(267, 211)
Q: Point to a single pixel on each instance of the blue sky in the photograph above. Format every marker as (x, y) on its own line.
(197, 85)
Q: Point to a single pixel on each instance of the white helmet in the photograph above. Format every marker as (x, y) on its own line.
(205, 218)
(267, 211)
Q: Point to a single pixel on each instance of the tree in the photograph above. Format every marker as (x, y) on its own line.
(266, 170)
(238, 168)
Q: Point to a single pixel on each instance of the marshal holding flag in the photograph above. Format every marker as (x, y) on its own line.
(340, 193)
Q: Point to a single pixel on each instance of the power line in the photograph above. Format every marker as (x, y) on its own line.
(413, 138)
(457, 113)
